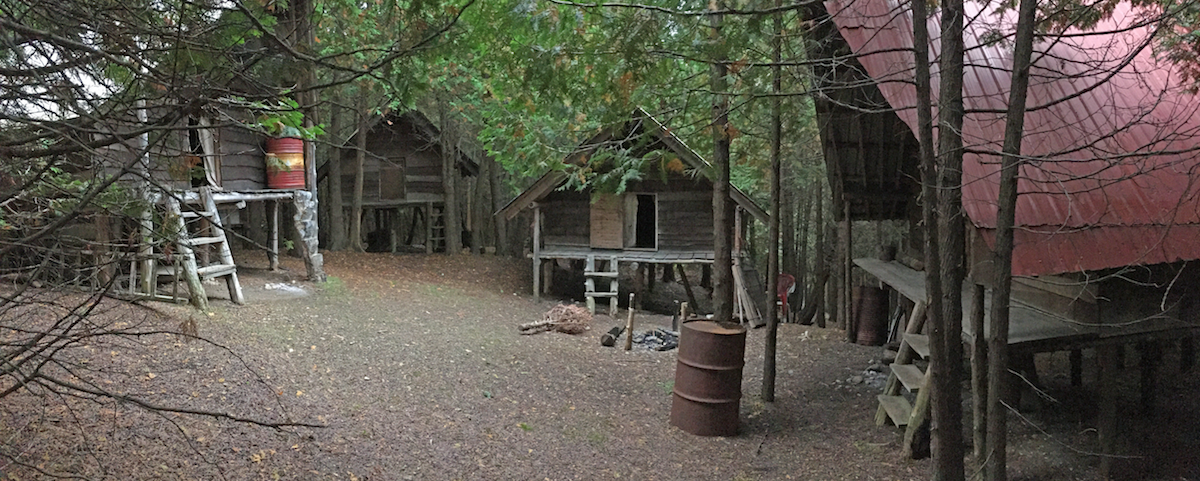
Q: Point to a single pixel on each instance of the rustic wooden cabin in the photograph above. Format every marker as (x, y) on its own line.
(665, 218)
(1109, 213)
(402, 174)
(205, 175)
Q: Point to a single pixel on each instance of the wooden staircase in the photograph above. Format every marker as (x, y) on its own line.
(199, 251)
(905, 398)
(594, 271)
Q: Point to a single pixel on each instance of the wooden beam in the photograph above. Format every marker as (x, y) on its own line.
(1106, 418)
(537, 250)
(687, 287)
(273, 236)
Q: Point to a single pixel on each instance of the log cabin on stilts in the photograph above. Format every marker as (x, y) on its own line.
(1108, 215)
(405, 185)
(665, 218)
(205, 181)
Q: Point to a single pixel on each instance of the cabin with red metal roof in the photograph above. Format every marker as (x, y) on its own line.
(1108, 215)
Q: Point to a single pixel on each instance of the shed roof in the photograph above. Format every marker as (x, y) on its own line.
(641, 122)
(1110, 134)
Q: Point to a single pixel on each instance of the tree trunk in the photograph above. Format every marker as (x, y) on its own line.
(997, 437)
(500, 223)
(946, 337)
(478, 213)
(360, 158)
(722, 206)
(834, 286)
(770, 342)
(801, 265)
(787, 233)
(822, 275)
(337, 212)
(450, 216)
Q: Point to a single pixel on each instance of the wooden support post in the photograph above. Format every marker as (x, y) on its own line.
(847, 242)
(651, 269)
(146, 253)
(979, 370)
(547, 275)
(537, 251)
(1106, 418)
(1076, 367)
(1187, 353)
(1151, 357)
(687, 287)
(639, 284)
(273, 236)
(629, 325)
(919, 419)
(683, 314)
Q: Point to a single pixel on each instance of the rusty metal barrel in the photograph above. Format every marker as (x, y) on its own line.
(285, 163)
(871, 315)
(708, 378)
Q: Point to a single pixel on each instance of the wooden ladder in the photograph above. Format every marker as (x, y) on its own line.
(437, 228)
(592, 273)
(200, 230)
(907, 378)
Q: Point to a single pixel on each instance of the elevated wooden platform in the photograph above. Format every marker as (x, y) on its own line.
(1030, 329)
(661, 256)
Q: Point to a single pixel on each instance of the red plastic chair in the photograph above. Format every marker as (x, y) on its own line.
(785, 285)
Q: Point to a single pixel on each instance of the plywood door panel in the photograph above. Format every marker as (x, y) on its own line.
(607, 222)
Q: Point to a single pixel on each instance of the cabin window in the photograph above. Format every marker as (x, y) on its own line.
(641, 221)
(202, 164)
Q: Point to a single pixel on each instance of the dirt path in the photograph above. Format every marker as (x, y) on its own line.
(414, 367)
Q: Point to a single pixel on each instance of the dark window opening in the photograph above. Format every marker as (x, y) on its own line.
(647, 222)
(195, 161)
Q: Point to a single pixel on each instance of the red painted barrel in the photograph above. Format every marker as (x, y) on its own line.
(871, 315)
(708, 378)
(286, 169)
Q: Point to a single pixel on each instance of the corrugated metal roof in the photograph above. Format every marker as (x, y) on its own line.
(1111, 134)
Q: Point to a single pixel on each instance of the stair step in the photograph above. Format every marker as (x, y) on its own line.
(192, 214)
(199, 241)
(899, 410)
(909, 375)
(918, 343)
(216, 270)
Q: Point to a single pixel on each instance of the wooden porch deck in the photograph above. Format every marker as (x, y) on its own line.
(627, 255)
(1030, 329)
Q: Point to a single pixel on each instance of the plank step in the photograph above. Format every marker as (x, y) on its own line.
(600, 274)
(192, 214)
(216, 270)
(909, 375)
(919, 343)
(898, 408)
(600, 294)
(199, 241)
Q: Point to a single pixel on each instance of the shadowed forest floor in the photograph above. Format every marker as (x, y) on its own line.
(413, 368)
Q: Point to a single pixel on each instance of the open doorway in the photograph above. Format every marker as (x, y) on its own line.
(646, 223)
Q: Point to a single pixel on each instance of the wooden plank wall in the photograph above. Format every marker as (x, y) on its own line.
(684, 216)
(685, 220)
(242, 159)
(396, 151)
(567, 219)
